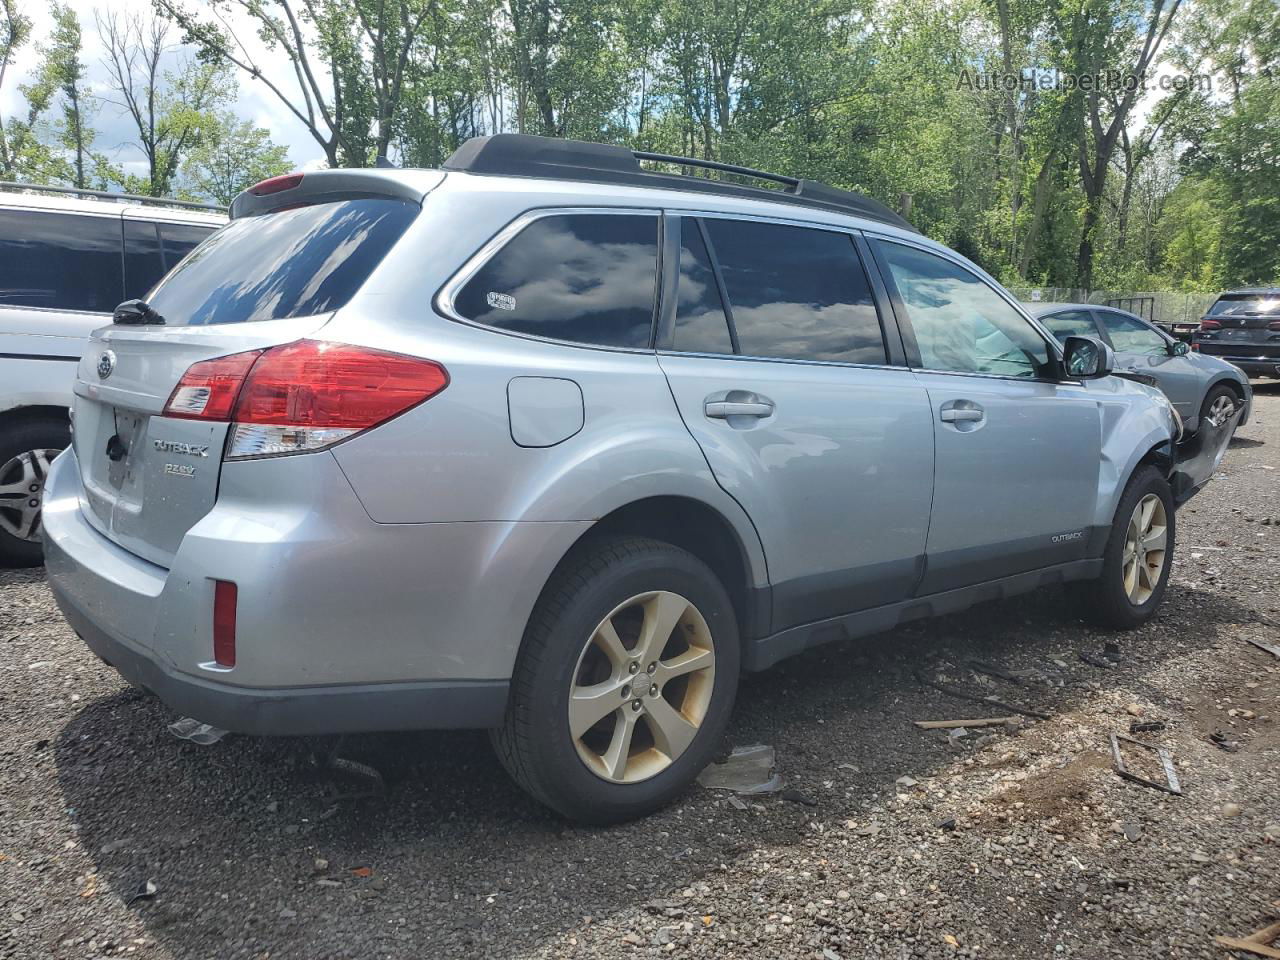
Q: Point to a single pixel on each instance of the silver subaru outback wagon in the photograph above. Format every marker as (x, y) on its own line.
(548, 443)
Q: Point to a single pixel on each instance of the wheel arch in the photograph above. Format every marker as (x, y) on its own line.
(26, 414)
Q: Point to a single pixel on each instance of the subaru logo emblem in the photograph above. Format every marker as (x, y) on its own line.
(106, 364)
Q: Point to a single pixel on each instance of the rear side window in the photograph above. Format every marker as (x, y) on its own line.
(60, 261)
(585, 278)
(153, 249)
(796, 293)
(290, 263)
(701, 324)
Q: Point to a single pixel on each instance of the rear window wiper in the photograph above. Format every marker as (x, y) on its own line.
(136, 312)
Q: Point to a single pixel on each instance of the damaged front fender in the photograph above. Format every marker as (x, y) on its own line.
(1196, 458)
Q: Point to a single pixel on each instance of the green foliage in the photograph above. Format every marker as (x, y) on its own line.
(232, 155)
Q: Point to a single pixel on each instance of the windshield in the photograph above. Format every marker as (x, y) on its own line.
(295, 262)
(1246, 305)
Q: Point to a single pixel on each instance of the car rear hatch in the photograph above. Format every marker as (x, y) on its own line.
(1242, 325)
(150, 455)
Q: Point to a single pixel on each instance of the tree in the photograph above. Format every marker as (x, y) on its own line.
(232, 155)
(62, 73)
(169, 108)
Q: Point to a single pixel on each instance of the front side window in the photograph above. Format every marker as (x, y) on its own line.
(60, 261)
(1070, 323)
(1132, 336)
(295, 262)
(586, 278)
(960, 324)
(796, 292)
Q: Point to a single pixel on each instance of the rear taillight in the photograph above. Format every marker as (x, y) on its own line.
(1274, 326)
(224, 623)
(306, 395)
(208, 390)
(1208, 324)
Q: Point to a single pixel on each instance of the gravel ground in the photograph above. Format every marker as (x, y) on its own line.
(1004, 843)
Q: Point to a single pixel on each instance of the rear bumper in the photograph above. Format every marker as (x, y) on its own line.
(350, 708)
(343, 625)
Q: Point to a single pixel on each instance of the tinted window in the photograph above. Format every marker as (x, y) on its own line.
(961, 324)
(1245, 304)
(701, 325)
(179, 239)
(60, 261)
(153, 249)
(1132, 336)
(1070, 323)
(796, 293)
(291, 263)
(588, 278)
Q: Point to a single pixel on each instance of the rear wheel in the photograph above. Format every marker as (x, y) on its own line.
(1219, 404)
(625, 681)
(1138, 556)
(26, 450)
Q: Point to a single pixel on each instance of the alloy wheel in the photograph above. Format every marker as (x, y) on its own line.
(642, 687)
(21, 488)
(1145, 544)
(1220, 410)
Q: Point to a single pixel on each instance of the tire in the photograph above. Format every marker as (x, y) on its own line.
(24, 457)
(1213, 403)
(1110, 600)
(568, 648)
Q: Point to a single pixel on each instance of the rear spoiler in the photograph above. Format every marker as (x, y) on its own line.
(320, 186)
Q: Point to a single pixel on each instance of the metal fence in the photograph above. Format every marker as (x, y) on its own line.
(1164, 307)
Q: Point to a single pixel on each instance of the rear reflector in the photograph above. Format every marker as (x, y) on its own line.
(303, 396)
(224, 623)
(278, 184)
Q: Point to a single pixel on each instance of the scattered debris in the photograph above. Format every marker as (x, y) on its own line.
(737, 802)
(1132, 831)
(947, 823)
(950, 724)
(1096, 661)
(201, 734)
(146, 891)
(1271, 648)
(1111, 650)
(906, 781)
(956, 733)
(992, 701)
(1231, 809)
(747, 770)
(795, 796)
(1146, 726)
(1000, 673)
(1134, 709)
(362, 871)
(1166, 762)
(1260, 943)
(1223, 742)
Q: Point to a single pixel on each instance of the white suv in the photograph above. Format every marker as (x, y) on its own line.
(65, 262)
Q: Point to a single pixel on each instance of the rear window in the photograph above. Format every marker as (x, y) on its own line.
(291, 263)
(1246, 304)
(587, 278)
(59, 261)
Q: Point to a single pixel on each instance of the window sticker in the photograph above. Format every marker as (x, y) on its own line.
(500, 301)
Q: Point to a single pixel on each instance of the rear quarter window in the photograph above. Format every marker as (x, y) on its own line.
(585, 278)
(288, 263)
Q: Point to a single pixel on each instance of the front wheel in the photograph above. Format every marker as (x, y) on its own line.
(624, 683)
(1138, 556)
(1219, 404)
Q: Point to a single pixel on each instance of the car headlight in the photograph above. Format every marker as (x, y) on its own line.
(1176, 422)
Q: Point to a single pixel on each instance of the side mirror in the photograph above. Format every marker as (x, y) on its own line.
(1179, 348)
(1086, 358)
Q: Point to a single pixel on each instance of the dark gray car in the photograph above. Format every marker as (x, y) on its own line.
(1203, 389)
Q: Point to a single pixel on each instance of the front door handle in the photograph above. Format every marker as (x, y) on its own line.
(965, 414)
(722, 409)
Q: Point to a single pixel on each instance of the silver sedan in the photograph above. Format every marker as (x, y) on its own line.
(1203, 389)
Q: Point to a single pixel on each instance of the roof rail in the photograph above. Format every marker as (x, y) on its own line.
(108, 195)
(522, 155)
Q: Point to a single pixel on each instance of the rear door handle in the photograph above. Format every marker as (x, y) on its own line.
(721, 409)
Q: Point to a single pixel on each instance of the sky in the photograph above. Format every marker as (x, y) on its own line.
(116, 138)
